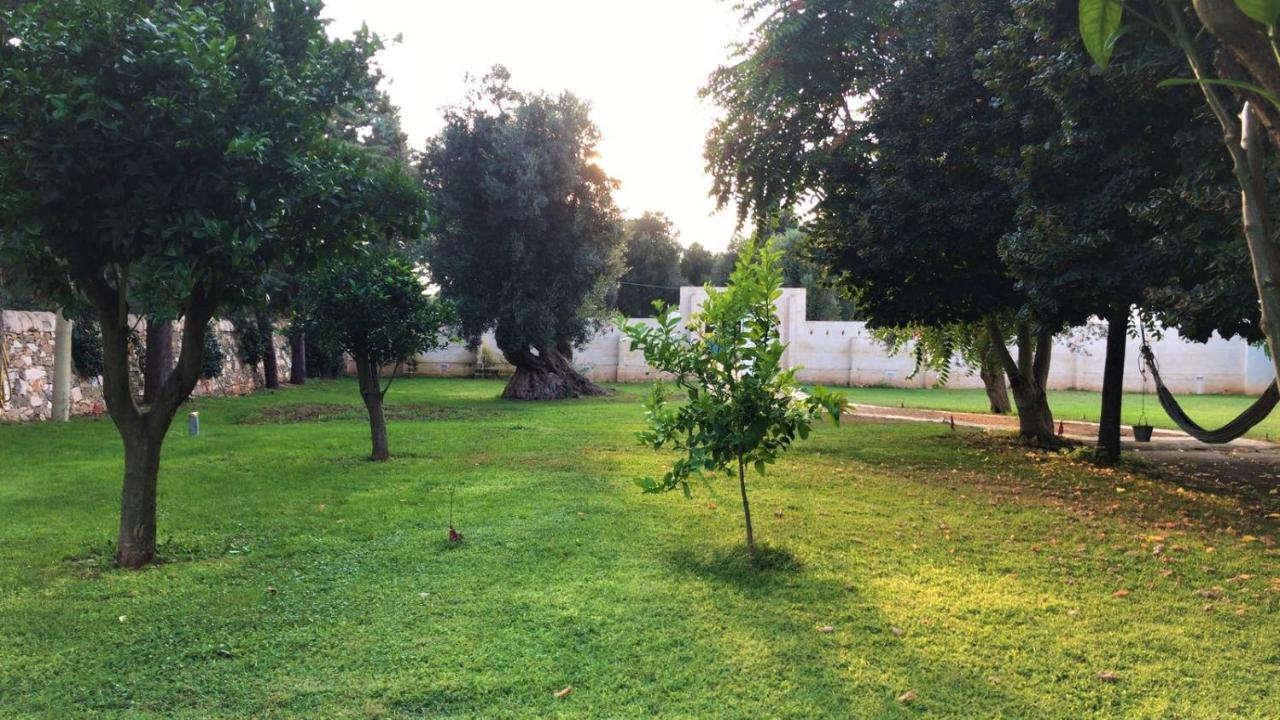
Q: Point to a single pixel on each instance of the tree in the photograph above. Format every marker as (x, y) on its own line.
(155, 150)
(1104, 148)
(800, 268)
(652, 258)
(526, 239)
(696, 265)
(377, 310)
(913, 192)
(743, 408)
(1240, 37)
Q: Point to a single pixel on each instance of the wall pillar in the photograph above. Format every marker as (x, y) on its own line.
(62, 369)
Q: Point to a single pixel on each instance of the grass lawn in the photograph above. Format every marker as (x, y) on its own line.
(1208, 410)
(304, 581)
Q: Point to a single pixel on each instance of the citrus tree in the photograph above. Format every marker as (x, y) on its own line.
(743, 409)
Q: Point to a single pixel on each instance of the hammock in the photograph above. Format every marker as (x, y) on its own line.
(1243, 423)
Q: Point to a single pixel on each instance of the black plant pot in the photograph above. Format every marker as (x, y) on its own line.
(1142, 433)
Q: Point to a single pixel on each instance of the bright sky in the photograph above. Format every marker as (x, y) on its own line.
(640, 64)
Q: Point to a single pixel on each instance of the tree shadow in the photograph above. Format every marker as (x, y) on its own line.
(769, 568)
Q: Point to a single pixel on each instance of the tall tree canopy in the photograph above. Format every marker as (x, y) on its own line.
(652, 257)
(153, 154)
(526, 239)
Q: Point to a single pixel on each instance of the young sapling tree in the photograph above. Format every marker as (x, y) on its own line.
(744, 408)
(377, 310)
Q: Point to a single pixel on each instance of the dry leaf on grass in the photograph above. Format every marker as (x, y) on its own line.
(564, 692)
(908, 697)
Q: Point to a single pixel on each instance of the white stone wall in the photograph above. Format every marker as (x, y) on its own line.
(845, 353)
(26, 393)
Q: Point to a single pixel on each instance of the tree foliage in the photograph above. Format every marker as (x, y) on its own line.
(652, 258)
(526, 239)
(375, 309)
(154, 155)
(743, 408)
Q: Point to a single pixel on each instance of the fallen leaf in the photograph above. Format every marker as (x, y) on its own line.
(908, 697)
(826, 629)
(897, 631)
(1120, 593)
(1108, 676)
(564, 692)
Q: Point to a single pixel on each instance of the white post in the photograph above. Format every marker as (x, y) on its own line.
(62, 369)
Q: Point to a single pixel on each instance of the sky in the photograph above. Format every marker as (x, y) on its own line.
(640, 63)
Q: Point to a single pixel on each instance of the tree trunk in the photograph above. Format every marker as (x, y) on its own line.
(1250, 57)
(137, 543)
(298, 358)
(1028, 378)
(993, 381)
(270, 368)
(142, 429)
(746, 506)
(158, 362)
(1113, 384)
(546, 374)
(371, 392)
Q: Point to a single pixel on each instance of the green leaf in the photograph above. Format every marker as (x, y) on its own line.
(1237, 84)
(760, 467)
(1099, 27)
(1264, 11)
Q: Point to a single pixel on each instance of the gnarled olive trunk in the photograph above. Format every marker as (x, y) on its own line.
(372, 394)
(993, 382)
(1113, 383)
(1028, 377)
(546, 373)
(298, 358)
(270, 368)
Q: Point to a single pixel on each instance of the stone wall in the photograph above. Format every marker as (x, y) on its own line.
(26, 380)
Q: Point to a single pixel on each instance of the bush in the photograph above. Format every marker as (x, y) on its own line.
(86, 346)
(214, 357)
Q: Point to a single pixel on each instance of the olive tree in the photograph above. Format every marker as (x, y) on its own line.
(526, 238)
(743, 408)
(155, 150)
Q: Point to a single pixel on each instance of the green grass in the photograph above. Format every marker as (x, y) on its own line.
(304, 581)
(1207, 410)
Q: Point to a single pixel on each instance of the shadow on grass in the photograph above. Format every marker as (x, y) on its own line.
(735, 565)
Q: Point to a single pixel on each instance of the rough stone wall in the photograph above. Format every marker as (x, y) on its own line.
(26, 383)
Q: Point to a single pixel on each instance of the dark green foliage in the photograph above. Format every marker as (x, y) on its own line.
(743, 408)
(696, 265)
(652, 258)
(526, 238)
(250, 347)
(374, 308)
(213, 357)
(801, 269)
(1148, 215)
(323, 361)
(788, 97)
(86, 346)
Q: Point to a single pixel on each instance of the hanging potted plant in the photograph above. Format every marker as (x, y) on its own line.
(1142, 429)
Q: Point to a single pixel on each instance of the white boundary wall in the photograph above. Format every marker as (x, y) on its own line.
(845, 353)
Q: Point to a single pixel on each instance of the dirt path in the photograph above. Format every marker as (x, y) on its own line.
(1243, 463)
